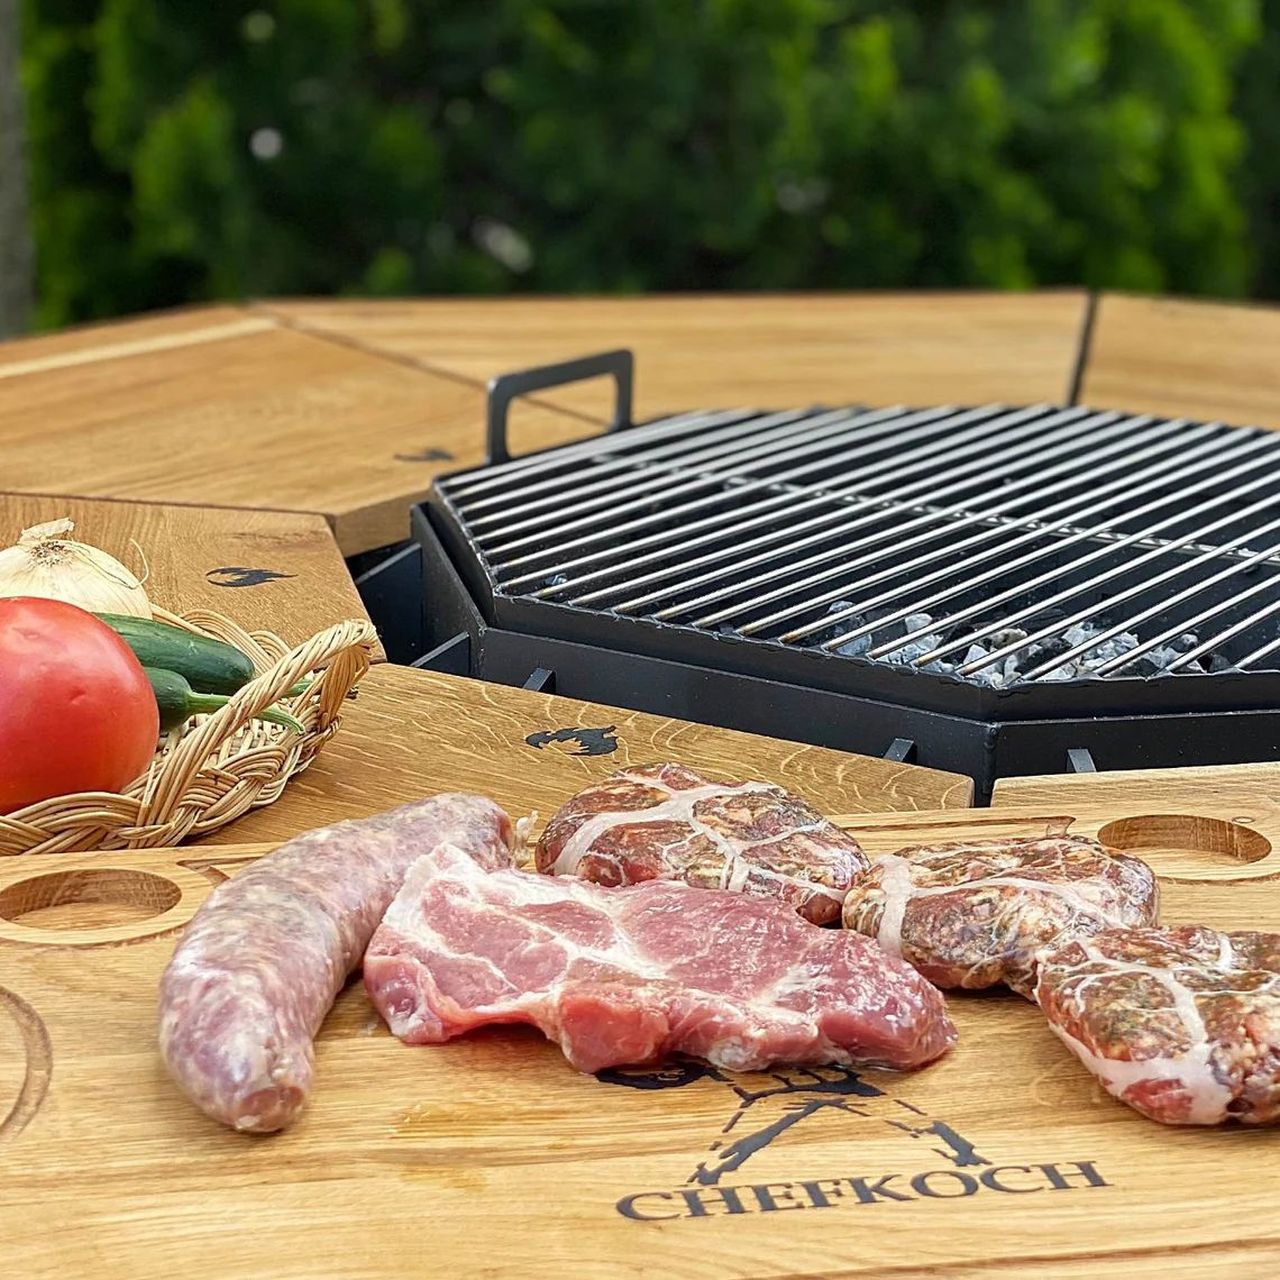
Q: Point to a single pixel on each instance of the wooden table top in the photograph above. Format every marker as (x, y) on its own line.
(268, 570)
(409, 732)
(247, 413)
(768, 351)
(251, 429)
(1188, 359)
(348, 409)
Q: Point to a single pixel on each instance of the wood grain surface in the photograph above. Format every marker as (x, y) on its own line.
(136, 335)
(349, 408)
(271, 419)
(1151, 790)
(751, 350)
(265, 570)
(408, 733)
(1185, 359)
(490, 1156)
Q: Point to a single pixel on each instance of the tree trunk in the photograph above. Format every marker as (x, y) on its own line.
(17, 257)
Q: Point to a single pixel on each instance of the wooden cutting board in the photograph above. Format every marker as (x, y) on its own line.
(491, 1156)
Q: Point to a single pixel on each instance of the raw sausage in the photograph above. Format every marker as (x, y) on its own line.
(264, 958)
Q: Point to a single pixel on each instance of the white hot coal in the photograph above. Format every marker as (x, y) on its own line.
(1015, 666)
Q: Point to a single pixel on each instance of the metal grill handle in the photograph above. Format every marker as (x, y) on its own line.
(618, 365)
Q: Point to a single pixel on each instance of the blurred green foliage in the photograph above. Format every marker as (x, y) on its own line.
(183, 152)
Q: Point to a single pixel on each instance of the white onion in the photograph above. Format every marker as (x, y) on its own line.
(45, 563)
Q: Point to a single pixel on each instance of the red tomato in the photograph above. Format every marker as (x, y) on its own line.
(76, 709)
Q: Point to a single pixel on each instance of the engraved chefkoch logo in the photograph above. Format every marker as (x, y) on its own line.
(802, 1094)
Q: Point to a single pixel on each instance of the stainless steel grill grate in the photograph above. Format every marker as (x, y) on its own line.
(998, 545)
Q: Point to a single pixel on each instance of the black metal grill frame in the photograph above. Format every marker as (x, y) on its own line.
(811, 694)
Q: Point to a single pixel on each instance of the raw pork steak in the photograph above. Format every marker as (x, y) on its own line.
(1183, 1024)
(666, 822)
(626, 976)
(974, 915)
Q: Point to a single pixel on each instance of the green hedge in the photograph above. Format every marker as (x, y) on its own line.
(186, 151)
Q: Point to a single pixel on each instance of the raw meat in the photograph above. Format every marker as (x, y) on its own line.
(977, 914)
(1183, 1024)
(263, 959)
(628, 975)
(666, 822)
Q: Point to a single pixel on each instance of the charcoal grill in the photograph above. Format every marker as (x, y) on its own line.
(994, 589)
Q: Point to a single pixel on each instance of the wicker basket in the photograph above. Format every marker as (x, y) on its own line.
(215, 767)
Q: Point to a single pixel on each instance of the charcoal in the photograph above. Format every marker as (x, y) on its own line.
(556, 580)
(1081, 632)
(855, 647)
(1106, 650)
(726, 629)
(838, 606)
(916, 649)
(1145, 666)
(1043, 651)
(1184, 643)
(917, 621)
(1053, 646)
(1067, 671)
(891, 631)
(974, 652)
(1219, 663)
(1010, 635)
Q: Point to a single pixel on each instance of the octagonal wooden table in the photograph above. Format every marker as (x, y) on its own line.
(250, 448)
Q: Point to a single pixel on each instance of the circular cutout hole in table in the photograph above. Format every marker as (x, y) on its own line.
(1187, 846)
(92, 898)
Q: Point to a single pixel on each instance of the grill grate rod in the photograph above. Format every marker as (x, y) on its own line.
(496, 474)
(677, 535)
(1058, 517)
(828, 428)
(882, 509)
(1207, 646)
(718, 526)
(886, 468)
(1162, 606)
(917, 605)
(1080, 505)
(1227, 633)
(1058, 626)
(939, 522)
(1259, 653)
(1099, 553)
(619, 472)
(935, 522)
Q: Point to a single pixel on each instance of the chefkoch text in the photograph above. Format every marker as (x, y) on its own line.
(889, 1188)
